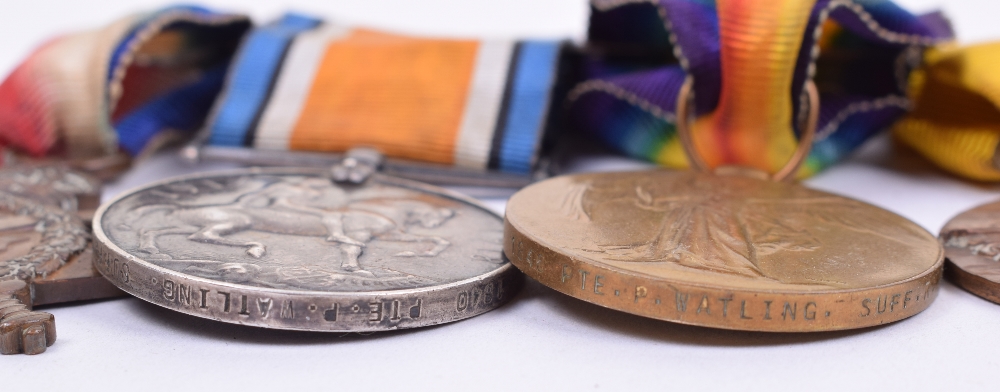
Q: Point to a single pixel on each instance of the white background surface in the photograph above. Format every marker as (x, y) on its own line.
(542, 340)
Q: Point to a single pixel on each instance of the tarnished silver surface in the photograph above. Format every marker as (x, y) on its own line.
(289, 249)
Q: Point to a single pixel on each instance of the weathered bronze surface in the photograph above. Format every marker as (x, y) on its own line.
(21, 330)
(77, 280)
(722, 251)
(45, 255)
(972, 250)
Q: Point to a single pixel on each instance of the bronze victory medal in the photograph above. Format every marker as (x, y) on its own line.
(972, 250)
(290, 249)
(722, 251)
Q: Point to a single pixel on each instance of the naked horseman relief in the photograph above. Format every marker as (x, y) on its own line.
(293, 248)
(302, 232)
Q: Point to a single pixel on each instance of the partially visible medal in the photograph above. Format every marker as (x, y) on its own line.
(723, 250)
(972, 257)
(45, 209)
(293, 249)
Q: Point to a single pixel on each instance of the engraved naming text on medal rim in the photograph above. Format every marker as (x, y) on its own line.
(462, 272)
(729, 278)
(343, 311)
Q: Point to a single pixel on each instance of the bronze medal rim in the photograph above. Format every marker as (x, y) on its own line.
(971, 282)
(107, 254)
(961, 277)
(517, 235)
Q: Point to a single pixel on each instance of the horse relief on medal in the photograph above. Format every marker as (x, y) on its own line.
(303, 232)
(290, 248)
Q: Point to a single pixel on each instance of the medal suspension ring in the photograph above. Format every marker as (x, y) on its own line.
(731, 249)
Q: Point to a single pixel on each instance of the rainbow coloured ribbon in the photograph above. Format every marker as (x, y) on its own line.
(301, 84)
(749, 61)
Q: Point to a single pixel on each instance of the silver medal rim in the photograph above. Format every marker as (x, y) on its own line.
(504, 274)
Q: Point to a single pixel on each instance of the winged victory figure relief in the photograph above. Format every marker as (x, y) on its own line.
(695, 222)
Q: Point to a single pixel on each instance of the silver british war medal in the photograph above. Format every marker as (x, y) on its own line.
(345, 249)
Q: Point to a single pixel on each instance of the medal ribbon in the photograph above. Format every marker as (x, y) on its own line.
(955, 121)
(121, 86)
(749, 62)
(295, 84)
(324, 87)
(302, 84)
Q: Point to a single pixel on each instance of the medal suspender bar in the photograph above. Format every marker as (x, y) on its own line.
(454, 112)
(303, 92)
(335, 246)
